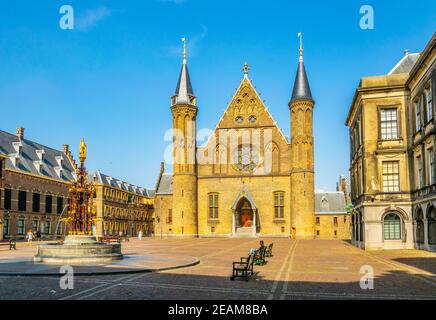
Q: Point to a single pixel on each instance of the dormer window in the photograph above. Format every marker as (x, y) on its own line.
(38, 165)
(15, 161)
(40, 154)
(17, 146)
(324, 203)
(59, 160)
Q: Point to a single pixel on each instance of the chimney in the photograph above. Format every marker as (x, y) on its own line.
(20, 133)
(344, 185)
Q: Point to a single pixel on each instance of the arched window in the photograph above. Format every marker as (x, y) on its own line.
(246, 158)
(392, 226)
(431, 220)
(420, 226)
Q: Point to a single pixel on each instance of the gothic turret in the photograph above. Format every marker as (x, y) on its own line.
(184, 111)
(301, 89)
(184, 94)
(302, 161)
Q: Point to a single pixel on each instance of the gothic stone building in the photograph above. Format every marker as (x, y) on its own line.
(34, 186)
(248, 179)
(392, 135)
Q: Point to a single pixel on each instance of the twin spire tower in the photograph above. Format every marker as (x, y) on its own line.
(185, 179)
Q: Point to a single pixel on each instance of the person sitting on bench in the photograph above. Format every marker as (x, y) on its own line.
(254, 250)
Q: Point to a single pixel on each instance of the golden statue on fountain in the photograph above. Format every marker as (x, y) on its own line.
(80, 246)
(81, 199)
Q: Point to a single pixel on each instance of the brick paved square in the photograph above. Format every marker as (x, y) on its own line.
(298, 269)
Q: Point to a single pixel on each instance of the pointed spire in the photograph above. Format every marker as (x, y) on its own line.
(184, 88)
(246, 69)
(301, 89)
(300, 35)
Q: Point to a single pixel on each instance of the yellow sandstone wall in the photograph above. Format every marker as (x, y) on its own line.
(326, 227)
(260, 188)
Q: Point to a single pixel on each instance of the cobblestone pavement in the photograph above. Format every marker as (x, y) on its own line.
(299, 269)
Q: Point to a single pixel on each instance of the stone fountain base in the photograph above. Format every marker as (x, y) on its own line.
(78, 250)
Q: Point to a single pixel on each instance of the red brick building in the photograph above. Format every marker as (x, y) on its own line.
(33, 186)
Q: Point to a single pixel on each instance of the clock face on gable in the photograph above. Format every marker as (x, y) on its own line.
(246, 158)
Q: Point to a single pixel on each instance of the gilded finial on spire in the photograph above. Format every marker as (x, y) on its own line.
(246, 69)
(82, 154)
(300, 35)
(184, 40)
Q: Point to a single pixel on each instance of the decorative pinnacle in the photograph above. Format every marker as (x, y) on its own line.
(246, 69)
(184, 40)
(82, 154)
(300, 35)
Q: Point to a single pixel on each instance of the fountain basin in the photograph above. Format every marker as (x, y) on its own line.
(78, 250)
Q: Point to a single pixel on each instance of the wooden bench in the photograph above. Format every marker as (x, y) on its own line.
(110, 239)
(243, 268)
(11, 243)
(268, 252)
(259, 257)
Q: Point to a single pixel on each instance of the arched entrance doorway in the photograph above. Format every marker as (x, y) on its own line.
(245, 220)
(431, 228)
(419, 226)
(244, 214)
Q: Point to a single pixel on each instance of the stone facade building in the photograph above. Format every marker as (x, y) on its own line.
(121, 206)
(248, 179)
(34, 186)
(332, 220)
(392, 135)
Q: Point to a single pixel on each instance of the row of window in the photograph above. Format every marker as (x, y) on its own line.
(335, 221)
(423, 106)
(388, 126)
(36, 202)
(119, 195)
(392, 229)
(335, 233)
(37, 225)
(391, 173)
(122, 213)
(421, 181)
(114, 228)
(279, 205)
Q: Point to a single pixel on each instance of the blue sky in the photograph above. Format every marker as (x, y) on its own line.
(110, 79)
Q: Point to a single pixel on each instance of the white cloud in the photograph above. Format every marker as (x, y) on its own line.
(91, 17)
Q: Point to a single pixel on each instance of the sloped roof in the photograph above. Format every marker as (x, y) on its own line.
(107, 180)
(301, 89)
(406, 63)
(184, 84)
(34, 158)
(165, 186)
(184, 89)
(330, 203)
